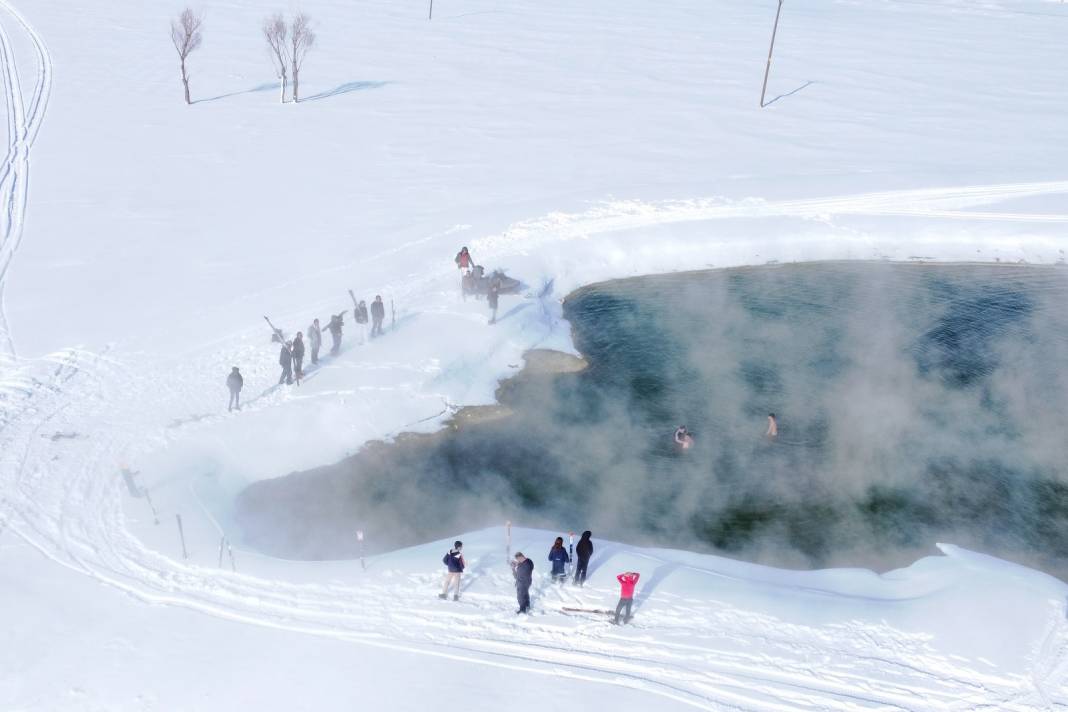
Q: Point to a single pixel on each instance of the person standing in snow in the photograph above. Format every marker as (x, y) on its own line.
(335, 332)
(523, 570)
(463, 260)
(454, 561)
(378, 313)
(773, 427)
(627, 581)
(285, 360)
(360, 315)
(235, 383)
(298, 356)
(491, 299)
(559, 558)
(583, 552)
(315, 340)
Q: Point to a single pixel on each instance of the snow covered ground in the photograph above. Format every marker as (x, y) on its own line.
(143, 240)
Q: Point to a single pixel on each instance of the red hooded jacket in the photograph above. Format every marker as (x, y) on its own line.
(627, 583)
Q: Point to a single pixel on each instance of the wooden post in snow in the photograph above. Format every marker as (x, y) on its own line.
(508, 540)
(359, 538)
(431, 15)
(181, 535)
(771, 48)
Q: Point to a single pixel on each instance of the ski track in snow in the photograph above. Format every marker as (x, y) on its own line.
(63, 496)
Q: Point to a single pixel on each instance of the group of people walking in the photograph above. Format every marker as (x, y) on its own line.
(471, 278)
(291, 355)
(523, 572)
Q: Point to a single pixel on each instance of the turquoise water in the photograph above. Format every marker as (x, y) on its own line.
(915, 403)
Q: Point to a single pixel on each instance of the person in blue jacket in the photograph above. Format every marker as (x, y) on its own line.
(558, 555)
(454, 561)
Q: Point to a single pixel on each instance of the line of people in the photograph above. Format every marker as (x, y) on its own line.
(523, 572)
(473, 280)
(291, 354)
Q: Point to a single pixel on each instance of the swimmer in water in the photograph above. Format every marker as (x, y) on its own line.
(683, 438)
(773, 426)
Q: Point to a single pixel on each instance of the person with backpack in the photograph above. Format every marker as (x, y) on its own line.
(360, 315)
(454, 562)
(298, 356)
(463, 260)
(583, 552)
(335, 332)
(523, 571)
(235, 383)
(627, 581)
(559, 558)
(315, 340)
(378, 313)
(285, 360)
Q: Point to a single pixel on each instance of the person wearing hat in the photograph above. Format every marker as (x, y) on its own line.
(523, 570)
(454, 561)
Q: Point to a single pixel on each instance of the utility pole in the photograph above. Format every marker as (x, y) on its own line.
(771, 48)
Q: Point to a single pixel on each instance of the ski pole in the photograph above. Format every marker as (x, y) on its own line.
(181, 535)
(277, 331)
(570, 551)
(359, 538)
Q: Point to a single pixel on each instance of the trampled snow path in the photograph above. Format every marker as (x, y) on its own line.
(23, 124)
(64, 498)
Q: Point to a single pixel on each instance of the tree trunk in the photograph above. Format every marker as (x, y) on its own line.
(296, 98)
(285, 80)
(185, 83)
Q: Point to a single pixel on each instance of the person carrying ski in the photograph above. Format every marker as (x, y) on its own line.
(378, 313)
(491, 299)
(335, 332)
(558, 556)
(627, 581)
(583, 552)
(235, 383)
(360, 315)
(463, 260)
(454, 561)
(285, 360)
(298, 356)
(523, 570)
(315, 340)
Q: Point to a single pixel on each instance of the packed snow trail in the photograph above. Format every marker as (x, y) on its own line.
(23, 123)
(64, 497)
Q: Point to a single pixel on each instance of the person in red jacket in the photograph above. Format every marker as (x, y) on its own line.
(627, 581)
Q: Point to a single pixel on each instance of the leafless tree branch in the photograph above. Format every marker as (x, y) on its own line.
(301, 40)
(186, 36)
(276, 33)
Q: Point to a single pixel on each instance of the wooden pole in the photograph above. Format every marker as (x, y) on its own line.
(431, 15)
(771, 48)
(181, 535)
(359, 538)
(508, 540)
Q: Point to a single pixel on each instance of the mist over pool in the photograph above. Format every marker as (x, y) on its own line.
(916, 403)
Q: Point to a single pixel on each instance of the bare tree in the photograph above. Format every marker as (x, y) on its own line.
(185, 33)
(276, 33)
(300, 41)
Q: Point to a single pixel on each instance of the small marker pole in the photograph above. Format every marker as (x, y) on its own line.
(508, 540)
(431, 15)
(222, 543)
(181, 535)
(359, 538)
(771, 48)
(570, 551)
(392, 316)
(230, 551)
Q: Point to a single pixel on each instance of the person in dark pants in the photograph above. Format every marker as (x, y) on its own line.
(285, 360)
(298, 356)
(235, 383)
(315, 340)
(454, 562)
(583, 552)
(523, 570)
(558, 556)
(491, 299)
(378, 313)
(627, 581)
(335, 332)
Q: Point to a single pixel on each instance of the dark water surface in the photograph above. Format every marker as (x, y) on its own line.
(916, 404)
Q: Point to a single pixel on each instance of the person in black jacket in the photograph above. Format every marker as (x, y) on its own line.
(491, 299)
(285, 360)
(454, 561)
(583, 552)
(335, 332)
(523, 570)
(298, 356)
(378, 313)
(315, 339)
(235, 383)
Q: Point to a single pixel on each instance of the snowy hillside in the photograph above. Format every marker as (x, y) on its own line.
(143, 241)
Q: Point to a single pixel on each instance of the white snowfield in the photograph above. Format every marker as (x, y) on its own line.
(567, 143)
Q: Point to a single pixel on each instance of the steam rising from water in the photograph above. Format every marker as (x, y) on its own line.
(916, 404)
